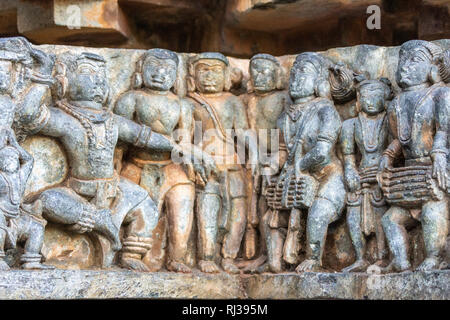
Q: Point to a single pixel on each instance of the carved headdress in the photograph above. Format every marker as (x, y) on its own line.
(322, 66)
(67, 63)
(279, 76)
(158, 53)
(208, 55)
(432, 53)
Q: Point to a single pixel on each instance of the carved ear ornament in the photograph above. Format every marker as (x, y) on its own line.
(444, 66)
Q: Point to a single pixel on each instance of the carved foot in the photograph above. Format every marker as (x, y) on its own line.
(359, 266)
(229, 266)
(403, 266)
(105, 225)
(251, 266)
(208, 266)
(310, 265)
(4, 266)
(263, 268)
(275, 267)
(175, 266)
(429, 264)
(36, 266)
(134, 264)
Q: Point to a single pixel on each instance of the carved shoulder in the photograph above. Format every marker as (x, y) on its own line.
(126, 104)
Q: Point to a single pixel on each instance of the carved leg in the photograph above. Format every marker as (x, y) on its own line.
(180, 214)
(233, 238)
(274, 242)
(32, 229)
(382, 251)
(139, 224)
(358, 240)
(62, 205)
(320, 215)
(3, 265)
(435, 229)
(394, 222)
(208, 213)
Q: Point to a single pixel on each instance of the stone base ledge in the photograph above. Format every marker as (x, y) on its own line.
(90, 284)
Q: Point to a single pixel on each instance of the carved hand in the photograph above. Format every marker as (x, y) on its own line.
(352, 179)
(440, 169)
(385, 163)
(45, 61)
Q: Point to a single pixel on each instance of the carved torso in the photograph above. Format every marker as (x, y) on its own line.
(11, 189)
(264, 110)
(90, 151)
(160, 112)
(317, 119)
(371, 138)
(412, 118)
(229, 114)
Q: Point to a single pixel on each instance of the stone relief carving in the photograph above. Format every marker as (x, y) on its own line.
(206, 162)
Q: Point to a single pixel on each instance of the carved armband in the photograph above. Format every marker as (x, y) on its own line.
(39, 122)
(325, 138)
(393, 149)
(143, 137)
(136, 247)
(439, 150)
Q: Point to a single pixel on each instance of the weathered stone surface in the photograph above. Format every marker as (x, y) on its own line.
(410, 285)
(60, 284)
(65, 284)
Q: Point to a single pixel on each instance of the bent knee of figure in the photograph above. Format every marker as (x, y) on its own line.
(395, 215)
(334, 192)
(325, 208)
(143, 218)
(434, 215)
(62, 205)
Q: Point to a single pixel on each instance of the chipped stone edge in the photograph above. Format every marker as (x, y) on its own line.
(92, 284)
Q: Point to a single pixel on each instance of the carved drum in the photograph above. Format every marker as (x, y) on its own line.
(296, 192)
(410, 186)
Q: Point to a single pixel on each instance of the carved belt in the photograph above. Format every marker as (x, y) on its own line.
(100, 189)
(141, 163)
(12, 212)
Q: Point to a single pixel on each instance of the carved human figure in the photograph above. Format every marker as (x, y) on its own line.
(19, 221)
(312, 176)
(419, 120)
(170, 184)
(265, 101)
(94, 197)
(225, 192)
(366, 135)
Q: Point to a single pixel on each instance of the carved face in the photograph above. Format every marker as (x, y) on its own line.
(159, 74)
(88, 82)
(9, 160)
(210, 75)
(263, 74)
(371, 99)
(413, 69)
(302, 80)
(5, 75)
